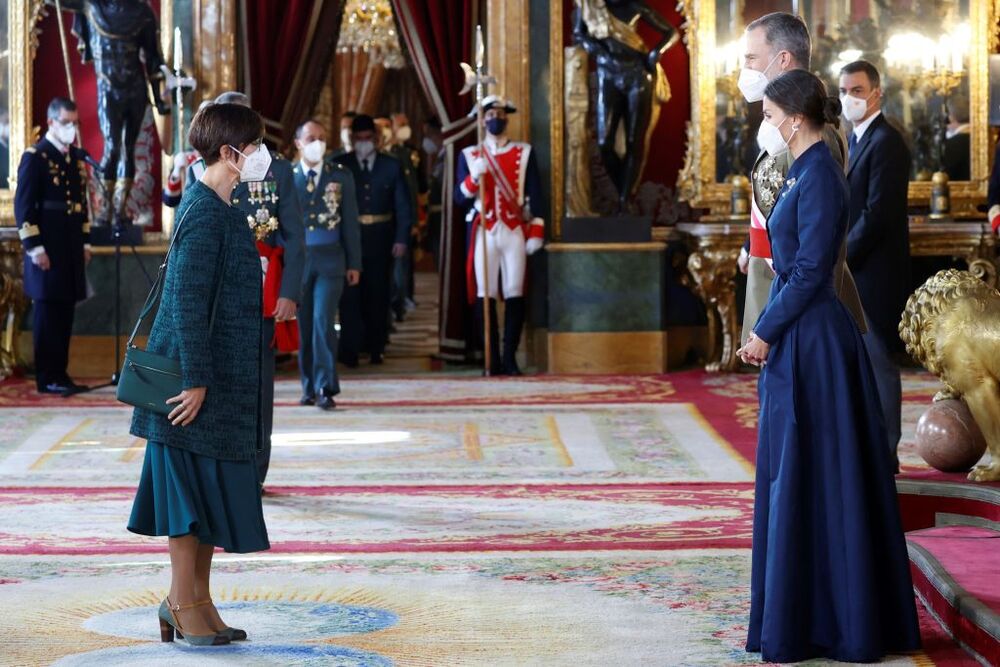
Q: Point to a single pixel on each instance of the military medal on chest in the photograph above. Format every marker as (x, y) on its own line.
(769, 182)
(331, 197)
(261, 194)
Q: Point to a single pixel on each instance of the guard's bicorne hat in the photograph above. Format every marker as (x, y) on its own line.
(494, 102)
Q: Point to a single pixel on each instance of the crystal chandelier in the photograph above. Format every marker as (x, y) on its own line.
(369, 27)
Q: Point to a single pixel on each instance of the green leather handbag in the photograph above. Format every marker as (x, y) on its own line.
(148, 379)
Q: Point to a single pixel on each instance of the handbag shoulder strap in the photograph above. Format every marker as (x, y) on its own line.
(156, 291)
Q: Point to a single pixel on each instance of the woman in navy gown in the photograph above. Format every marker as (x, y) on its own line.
(830, 575)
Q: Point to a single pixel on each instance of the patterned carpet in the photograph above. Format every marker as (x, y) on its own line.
(432, 520)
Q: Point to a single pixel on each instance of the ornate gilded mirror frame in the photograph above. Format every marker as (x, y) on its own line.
(696, 181)
(22, 19)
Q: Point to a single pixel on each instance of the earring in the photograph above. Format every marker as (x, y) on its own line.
(795, 128)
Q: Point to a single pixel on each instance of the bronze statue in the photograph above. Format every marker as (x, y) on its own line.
(631, 84)
(951, 325)
(121, 37)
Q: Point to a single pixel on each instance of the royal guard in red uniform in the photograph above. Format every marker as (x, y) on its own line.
(501, 186)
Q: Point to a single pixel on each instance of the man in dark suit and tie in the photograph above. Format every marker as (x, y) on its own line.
(878, 239)
(386, 214)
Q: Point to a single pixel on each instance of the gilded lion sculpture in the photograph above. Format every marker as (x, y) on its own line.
(951, 325)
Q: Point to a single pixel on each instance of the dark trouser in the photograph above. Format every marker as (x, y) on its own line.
(889, 383)
(376, 284)
(321, 292)
(350, 325)
(52, 328)
(266, 396)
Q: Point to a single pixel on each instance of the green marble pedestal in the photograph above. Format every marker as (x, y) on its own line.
(606, 308)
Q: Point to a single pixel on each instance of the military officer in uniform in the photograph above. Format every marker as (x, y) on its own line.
(275, 216)
(333, 253)
(50, 206)
(385, 212)
(500, 184)
(409, 157)
(777, 43)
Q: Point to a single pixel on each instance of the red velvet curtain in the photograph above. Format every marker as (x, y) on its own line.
(276, 38)
(439, 36)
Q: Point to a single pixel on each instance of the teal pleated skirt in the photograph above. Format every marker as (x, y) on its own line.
(182, 493)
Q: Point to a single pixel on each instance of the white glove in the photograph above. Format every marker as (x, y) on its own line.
(477, 168)
(180, 163)
(534, 245)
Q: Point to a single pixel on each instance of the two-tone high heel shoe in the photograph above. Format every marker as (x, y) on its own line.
(170, 626)
(233, 634)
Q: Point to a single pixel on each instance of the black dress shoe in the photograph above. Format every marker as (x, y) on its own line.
(377, 358)
(326, 403)
(55, 388)
(307, 400)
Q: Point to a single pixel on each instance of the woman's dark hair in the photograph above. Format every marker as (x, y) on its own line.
(219, 125)
(799, 92)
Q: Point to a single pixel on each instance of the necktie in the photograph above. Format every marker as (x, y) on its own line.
(852, 141)
(311, 183)
(367, 166)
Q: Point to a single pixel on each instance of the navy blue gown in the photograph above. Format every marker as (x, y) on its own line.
(830, 575)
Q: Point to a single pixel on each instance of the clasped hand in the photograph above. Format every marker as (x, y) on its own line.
(189, 404)
(755, 351)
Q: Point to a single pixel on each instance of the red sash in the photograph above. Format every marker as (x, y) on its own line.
(760, 244)
(286, 333)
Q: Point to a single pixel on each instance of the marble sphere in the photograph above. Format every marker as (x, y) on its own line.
(948, 438)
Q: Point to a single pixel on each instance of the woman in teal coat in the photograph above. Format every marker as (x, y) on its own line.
(199, 483)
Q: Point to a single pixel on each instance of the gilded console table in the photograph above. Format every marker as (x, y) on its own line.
(972, 241)
(715, 247)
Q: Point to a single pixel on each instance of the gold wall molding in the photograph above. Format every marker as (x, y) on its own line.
(215, 28)
(696, 182)
(557, 109)
(579, 200)
(509, 59)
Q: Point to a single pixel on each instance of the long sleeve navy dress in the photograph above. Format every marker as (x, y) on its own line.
(830, 575)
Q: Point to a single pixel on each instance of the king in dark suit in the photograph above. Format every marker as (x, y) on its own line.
(50, 205)
(333, 254)
(386, 213)
(878, 238)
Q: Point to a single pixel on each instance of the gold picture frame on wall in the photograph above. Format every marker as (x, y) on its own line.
(698, 181)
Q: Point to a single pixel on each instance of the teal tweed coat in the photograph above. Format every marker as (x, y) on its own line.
(213, 243)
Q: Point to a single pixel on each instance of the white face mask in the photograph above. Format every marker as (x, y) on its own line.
(345, 138)
(256, 164)
(429, 146)
(314, 151)
(364, 149)
(855, 108)
(404, 133)
(769, 138)
(753, 83)
(64, 133)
